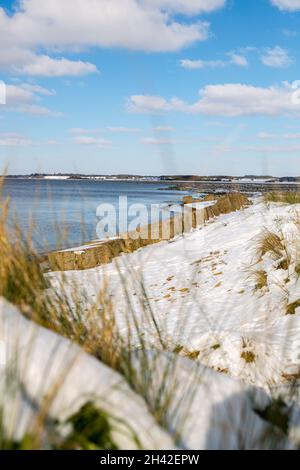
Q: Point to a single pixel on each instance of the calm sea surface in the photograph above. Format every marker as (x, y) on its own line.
(67, 208)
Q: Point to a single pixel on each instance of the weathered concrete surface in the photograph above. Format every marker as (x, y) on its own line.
(96, 253)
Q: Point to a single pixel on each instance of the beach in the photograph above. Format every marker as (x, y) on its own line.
(207, 324)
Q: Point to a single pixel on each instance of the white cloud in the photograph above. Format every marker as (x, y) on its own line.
(14, 140)
(239, 60)
(123, 130)
(287, 5)
(276, 57)
(229, 100)
(19, 60)
(188, 7)
(235, 59)
(16, 95)
(88, 140)
(38, 89)
(74, 25)
(45, 66)
(79, 130)
(153, 104)
(113, 130)
(201, 64)
(24, 98)
(36, 110)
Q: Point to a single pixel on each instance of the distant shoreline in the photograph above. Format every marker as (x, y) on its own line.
(168, 179)
(207, 185)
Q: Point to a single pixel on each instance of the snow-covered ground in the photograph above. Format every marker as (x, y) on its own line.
(43, 362)
(201, 289)
(55, 177)
(242, 347)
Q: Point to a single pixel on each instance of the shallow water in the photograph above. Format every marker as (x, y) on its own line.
(64, 211)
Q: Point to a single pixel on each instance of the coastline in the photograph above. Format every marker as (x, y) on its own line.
(204, 292)
(99, 252)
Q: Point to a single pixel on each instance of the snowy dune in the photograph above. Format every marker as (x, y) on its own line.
(45, 359)
(201, 288)
(241, 347)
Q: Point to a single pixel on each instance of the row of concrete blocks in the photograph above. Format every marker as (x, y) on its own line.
(101, 252)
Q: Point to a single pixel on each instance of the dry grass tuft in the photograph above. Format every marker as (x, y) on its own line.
(182, 351)
(261, 279)
(270, 242)
(64, 309)
(291, 308)
(248, 356)
(286, 197)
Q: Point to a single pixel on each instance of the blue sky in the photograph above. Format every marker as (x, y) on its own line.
(150, 86)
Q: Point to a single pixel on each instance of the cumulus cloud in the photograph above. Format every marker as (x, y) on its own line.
(45, 66)
(153, 104)
(72, 25)
(276, 57)
(229, 100)
(287, 5)
(24, 98)
(17, 94)
(19, 60)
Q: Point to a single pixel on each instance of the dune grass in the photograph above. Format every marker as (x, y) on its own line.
(270, 242)
(286, 197)
(261, 279)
